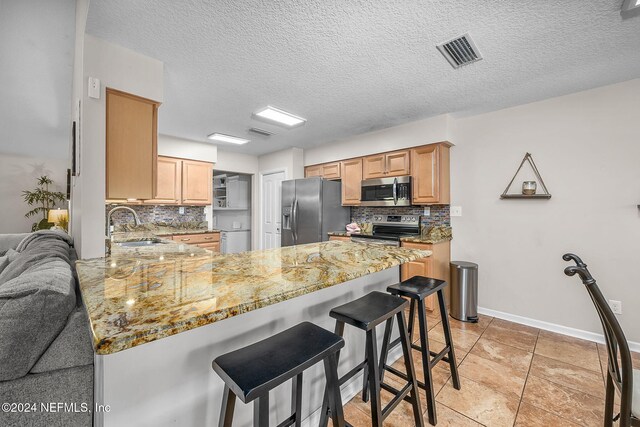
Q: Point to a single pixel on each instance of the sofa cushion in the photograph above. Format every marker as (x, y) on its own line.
(33, 257)
(71, 348)
(34, 307)
(10, 241)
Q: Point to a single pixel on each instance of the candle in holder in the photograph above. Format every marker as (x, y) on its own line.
(529, 188)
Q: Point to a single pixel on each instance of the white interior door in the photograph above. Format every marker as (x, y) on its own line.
(271, 209)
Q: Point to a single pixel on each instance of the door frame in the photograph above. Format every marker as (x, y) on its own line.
(261, 199)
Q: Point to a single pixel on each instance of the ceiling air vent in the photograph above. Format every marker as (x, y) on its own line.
(261, 132)
(460, 51)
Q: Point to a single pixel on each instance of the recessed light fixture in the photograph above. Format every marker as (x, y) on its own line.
(227, 138)
(629, 5)
(279, 116)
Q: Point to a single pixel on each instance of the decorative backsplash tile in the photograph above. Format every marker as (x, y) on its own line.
(158, 214)
(439, 214)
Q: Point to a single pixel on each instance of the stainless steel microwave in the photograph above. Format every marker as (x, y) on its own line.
(393, 191)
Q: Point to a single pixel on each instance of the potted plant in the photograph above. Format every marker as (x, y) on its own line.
(44, 200)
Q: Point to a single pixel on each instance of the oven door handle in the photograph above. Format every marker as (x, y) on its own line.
(395, 191)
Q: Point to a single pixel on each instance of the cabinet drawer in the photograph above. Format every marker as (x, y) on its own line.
(343, 238)
(213, 247)
(194, 239)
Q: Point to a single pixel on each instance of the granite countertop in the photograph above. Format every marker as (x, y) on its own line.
(168, 247)
(134, 297)
(166, 229)
(432, 236)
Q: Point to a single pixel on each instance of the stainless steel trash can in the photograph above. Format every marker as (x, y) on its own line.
(464, 291)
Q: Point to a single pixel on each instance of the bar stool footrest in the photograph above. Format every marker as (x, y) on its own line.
(288, 422)
(397, 398)
(346, 377)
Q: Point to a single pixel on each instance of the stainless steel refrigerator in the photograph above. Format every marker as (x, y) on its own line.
(311, 208)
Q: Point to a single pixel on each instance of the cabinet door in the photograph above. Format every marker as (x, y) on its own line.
(374, 166)
(315, 170)
(168, 182)
(233, 185)
(341, 238)
(196, 182)
(331, 170)
(397, 163)
(131, 146)
(351, 182)
(425, 164)
(419, 267)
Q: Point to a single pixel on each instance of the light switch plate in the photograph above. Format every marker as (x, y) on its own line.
(616, 306)
(94, 88)
(181, 210)
(455, 211)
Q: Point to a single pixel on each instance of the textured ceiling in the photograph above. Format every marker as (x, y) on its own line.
(352, 66)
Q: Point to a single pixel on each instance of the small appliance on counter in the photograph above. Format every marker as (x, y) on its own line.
(311, 208)
(388, 229)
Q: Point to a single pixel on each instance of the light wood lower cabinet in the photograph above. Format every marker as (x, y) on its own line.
(342, 238)
(210, 241)
(197, 182)
(351, 182)
(131, 146)
(435, 266)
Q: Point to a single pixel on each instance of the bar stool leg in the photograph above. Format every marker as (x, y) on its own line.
(326, 407)
(374, 378)
(333, 386)
(228, 405)
(388, 328)
(448, 341)
(296, 399)
(261, 411)
(426, 363)
(409, 368)
(411, 320)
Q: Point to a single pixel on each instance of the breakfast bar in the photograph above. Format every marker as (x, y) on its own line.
(190, 305)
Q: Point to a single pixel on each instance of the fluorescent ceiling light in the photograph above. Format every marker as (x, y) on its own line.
(227, 138)
(630, 5)
(279, 116)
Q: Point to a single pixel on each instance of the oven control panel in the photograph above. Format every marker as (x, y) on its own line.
(396, 219)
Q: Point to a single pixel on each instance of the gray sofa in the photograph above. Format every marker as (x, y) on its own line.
(46, 356)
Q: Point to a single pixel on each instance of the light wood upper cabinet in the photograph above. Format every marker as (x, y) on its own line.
(351, 181)
(373, 167)
(327, 170)
(383, 165)
(311, 171)
(169, 182)
(197, 182)
(430, 176)
(331, 170)
(131, 146)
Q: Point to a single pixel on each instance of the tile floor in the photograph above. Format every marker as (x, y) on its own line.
(511, 375)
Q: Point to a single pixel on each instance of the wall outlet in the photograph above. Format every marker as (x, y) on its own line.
(181, 210)
(426, 211)
(455, 211)
(616, 306)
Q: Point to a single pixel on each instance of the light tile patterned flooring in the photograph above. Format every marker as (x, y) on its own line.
(511, 375)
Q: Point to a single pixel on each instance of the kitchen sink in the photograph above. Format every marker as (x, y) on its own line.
(142, 243)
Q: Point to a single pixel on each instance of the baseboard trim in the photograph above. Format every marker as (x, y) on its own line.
(552, 327)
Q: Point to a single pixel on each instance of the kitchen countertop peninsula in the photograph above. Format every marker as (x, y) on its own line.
(139, 295)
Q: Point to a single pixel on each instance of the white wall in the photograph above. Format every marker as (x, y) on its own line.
(121, 69)
(20, 173)
(412, 134)
(587, 148)
(185, 148)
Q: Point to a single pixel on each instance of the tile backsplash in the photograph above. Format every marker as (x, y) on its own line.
(439, 214)
(157, 214)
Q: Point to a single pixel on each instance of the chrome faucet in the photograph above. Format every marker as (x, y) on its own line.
(136, 218)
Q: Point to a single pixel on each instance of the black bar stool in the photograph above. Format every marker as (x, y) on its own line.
(366, 313)
(417, 289)
(251, 372)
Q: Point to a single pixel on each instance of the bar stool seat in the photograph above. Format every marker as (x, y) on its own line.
(369, 311)
(251, 372)
(417, 287)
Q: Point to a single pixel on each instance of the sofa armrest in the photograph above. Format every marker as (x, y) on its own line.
(73, 347)
(10, 241)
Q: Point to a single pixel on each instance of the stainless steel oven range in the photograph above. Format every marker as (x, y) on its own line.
(388, 229)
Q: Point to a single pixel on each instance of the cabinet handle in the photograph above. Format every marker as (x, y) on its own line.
(185, 240)
(208, 238)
